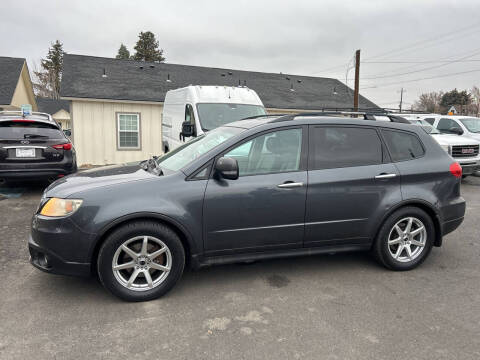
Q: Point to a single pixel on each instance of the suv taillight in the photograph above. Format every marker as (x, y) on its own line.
(456, 170)
(66, 146)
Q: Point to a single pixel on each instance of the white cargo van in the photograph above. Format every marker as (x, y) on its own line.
(192, 110)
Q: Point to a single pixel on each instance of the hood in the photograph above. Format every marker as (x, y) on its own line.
(98, 177)
(475, 136)
(450, 139)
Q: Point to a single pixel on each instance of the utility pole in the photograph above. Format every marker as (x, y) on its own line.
(401, 99)
(357, 80)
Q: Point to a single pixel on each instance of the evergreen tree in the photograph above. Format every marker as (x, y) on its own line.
(147, 48)
(123, 53)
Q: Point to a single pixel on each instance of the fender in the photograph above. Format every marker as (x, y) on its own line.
(414, 202)
(193, 248)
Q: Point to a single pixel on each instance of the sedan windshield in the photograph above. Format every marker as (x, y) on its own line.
(185, 154)
(215, 115)
(472, 124)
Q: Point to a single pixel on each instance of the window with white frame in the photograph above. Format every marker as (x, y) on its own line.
(128, 128)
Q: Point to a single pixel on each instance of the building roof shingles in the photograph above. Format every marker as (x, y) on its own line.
(145, 81)
(10, 70)
(52, 106)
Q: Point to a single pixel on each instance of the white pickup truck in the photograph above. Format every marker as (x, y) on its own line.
(463, 149)
(192, 110)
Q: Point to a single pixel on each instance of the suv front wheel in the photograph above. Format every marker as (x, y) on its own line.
(405, 239)
(141, 261)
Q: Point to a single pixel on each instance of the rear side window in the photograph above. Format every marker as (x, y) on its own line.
(12, 130)
(403, 145)
(337, 147)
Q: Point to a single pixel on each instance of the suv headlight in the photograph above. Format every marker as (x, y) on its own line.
(55, 207)
(447, 148)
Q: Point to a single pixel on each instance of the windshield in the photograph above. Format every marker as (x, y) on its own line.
(426, 125)
(185, 154)
(472, 124)
(212, 116)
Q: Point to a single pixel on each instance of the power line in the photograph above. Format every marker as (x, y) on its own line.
(421, 42)
(417, 62)
(421, 79)
(476, 52)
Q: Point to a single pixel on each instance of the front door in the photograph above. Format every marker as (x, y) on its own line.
(264, 209)
(351, 185)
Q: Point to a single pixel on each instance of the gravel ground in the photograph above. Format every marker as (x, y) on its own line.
(321, 307)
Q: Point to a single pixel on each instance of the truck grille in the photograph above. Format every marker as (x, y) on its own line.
(464, 151)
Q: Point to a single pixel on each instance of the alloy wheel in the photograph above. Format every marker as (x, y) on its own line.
(407, 239)
(142, 263)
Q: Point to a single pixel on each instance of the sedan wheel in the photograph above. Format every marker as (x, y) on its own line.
(142, 263)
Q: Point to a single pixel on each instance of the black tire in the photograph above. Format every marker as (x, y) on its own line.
(381, 249)
(131, 230)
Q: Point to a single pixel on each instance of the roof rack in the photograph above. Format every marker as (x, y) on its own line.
(20, 113)
(370, 115)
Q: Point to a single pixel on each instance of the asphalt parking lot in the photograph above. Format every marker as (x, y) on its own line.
(323, 307)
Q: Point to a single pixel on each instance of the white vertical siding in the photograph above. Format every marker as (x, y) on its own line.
(95, 132)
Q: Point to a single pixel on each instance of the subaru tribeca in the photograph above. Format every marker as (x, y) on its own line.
(259, 188)
(33, 147)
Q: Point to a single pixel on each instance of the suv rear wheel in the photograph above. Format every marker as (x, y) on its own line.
(405, 239)
(141, 261)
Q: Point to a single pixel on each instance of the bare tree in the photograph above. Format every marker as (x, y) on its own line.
(42, 81)
(48, 77)
(475, 94)
(429, 102)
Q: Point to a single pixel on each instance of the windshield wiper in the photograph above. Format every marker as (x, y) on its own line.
(151, 165)
(31, 136)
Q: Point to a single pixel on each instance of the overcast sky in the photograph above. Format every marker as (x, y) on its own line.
(314, 37)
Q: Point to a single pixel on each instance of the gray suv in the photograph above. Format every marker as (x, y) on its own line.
(259, 188)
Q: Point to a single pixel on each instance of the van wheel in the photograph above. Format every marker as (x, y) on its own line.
(405, 239)
(141, 261)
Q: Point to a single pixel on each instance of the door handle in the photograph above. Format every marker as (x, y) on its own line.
(385, 176)
(290, 184)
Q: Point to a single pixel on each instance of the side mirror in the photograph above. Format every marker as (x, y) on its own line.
(227, 168)
(188, 129)
(456, 131)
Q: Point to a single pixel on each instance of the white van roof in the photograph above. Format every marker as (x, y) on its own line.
(213, 94)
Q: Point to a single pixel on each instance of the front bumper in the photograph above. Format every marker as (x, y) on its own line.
(49, 262)
(59, 246)
(469, 166)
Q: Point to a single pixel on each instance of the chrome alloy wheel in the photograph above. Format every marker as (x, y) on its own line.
(142, 263)
(407, 239)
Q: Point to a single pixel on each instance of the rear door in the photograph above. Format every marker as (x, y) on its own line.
(25, 141)
(351, 183)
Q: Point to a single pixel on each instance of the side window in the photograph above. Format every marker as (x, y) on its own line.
(402, 145)
(337, 147)
(274, 152)
(430, 120)
(447, 125)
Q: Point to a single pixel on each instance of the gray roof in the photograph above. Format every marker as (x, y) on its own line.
(145, 81)
(10, 69)
(51, 106)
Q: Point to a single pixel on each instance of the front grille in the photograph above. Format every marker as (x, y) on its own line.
(464, 151)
